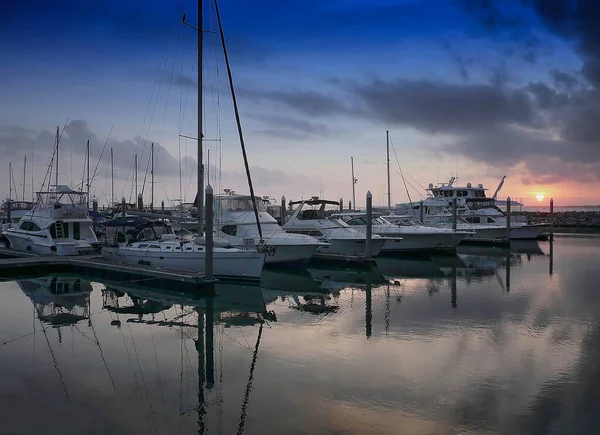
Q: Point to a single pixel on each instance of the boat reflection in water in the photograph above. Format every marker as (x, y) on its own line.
(58, 300)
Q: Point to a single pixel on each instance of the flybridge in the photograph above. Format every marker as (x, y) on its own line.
(449, 191)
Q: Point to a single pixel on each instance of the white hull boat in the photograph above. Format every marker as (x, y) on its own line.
(154, 244)
(235, 221)
(344, 242)
(59, 224)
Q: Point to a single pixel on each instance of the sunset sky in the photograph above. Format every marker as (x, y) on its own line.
(481, 88)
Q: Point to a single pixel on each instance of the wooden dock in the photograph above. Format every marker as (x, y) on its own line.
(26, 265)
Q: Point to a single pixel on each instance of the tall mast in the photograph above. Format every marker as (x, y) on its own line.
(9, 180)
(87, 183)
(135, 163)
(200, 161)
(389, 192)
(152, 177)
(24, 175)
(112, 178)
(353, 183)
(57, 139)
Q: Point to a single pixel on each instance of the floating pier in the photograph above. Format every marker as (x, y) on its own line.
(26, 265)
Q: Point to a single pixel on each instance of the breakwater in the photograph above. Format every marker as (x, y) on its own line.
(564, 219)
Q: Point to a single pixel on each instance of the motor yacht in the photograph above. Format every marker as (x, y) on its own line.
(310, 218)
(235, 221)
(58, 224)
(407, 233)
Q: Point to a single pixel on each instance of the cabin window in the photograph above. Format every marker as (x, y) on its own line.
(76, 231)
(178, 248)
(490, 221)
(356, 221)
(230, 230)
(143, 245)
(154, 247)
(168, 247)
(189, 248)
(473, 219)
(29, 226)
(479, 194)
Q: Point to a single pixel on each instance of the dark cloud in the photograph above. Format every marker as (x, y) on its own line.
(306, 102)
(441, 107)
(564, 80)
(288, 127)
(462, 64)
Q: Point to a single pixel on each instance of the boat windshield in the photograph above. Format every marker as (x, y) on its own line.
(239, 203)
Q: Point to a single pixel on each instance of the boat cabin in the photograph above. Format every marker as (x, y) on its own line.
(128, 230)
(448, 191)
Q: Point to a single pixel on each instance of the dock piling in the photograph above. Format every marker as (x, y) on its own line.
(208, 258)
(421, 212)
(508, 213)
(123, 207)
(162, 207)
(551, 218)
(341, 205)
(454, 217)
(140, 203)
(9, 211)
(369, 247)
(282, 210)
(95, 213)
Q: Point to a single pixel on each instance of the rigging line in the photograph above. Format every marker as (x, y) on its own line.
(400, 168)
(97, 342)
(168, 94)
(237, 119)
(152, 411)
(160, 387)
(102, 153)
(249, 383)
(157, 81)
(161, 74)
(60, 375)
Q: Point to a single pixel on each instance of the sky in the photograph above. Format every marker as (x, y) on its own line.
(476, 89)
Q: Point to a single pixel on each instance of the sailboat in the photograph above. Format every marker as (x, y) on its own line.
(146, 246)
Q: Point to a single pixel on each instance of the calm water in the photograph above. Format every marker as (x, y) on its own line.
(490, 341)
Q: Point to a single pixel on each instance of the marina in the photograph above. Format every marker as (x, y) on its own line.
(248, 218)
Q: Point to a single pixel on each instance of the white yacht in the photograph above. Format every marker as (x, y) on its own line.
(310, 218)
(153, 243)
(18, 209)
(235, 221)
(473, 206)
(58, 224)
(413, 235)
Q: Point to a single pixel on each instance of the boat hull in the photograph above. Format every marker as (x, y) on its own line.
(424, 242)
(228, 264)
(43, 246)
(285, 254)
(527, 232)
(351, 247)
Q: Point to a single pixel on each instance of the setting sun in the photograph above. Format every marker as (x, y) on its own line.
(539, 197)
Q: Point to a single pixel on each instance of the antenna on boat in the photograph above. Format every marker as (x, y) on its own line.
(57, 141)
(9, 180)
(354, 180)
(389, 192)
(152, 177)
(24, 175)
(112, 178)
(87, 183)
